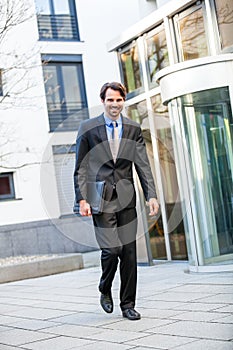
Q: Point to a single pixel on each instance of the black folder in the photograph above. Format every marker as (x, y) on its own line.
(95, 196)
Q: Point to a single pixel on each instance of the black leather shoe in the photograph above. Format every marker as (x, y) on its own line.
(106, 302)
(131, 314)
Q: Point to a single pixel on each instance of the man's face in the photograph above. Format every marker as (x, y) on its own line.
(113, 104)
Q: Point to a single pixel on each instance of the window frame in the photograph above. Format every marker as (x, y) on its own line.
(11, 195)
(54, 30)
(121, 51)
(155, 31)
(217, 31)
(59, 61)
(180, 15)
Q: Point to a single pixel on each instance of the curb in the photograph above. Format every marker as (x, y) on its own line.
(39, 268)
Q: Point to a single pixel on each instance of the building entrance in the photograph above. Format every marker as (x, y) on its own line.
(208, 126)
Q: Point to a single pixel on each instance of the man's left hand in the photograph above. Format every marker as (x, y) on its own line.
(154, 206)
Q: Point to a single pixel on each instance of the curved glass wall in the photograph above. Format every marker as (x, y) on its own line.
(207, 122)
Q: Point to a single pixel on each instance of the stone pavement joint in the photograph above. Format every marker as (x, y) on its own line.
(179, 311)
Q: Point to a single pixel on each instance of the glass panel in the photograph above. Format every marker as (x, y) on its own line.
(172, 200)
(61, 7)
(52, 88)
(6, 186)
(157, 54)
(139, 113)
(131, 69)
(224, 11)
(43, 7)
(72, 94)
(63, 20)
(192, 35)
(64, 87)
(208, 124)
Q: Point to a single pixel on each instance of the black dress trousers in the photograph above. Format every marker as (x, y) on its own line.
(116, 231)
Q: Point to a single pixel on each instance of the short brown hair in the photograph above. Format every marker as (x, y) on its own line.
(114, 86)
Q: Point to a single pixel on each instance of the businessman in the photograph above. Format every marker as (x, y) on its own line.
(107, 147)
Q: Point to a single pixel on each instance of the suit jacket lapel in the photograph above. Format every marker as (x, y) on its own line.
(103, 135)
(125, 134)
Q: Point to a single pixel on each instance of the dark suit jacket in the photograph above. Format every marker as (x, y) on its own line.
(94, 161)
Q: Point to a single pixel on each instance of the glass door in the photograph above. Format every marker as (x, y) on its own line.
(208, 125)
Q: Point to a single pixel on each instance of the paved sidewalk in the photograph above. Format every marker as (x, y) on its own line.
(180, 311)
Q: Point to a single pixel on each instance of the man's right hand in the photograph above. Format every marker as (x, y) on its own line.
(85, 209)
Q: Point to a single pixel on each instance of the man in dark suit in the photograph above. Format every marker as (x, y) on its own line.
(106, 149)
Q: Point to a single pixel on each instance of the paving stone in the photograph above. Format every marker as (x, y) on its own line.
(101, 345)
(204, 330)
(159, 304)
(4, 328)
(21, 337)
(218, 298)
(172, 296)
(87, 319)
(197, 316)
(32, 325)
(141, 326)
(157, 313)
(72, 330)
(161, 341)
(58, 343)
(193, 306)
(115, 336)
(225, 319)
(6, 347)
(204, 288)
(224, 309)
(38, 313)
(207, 345)
(8, 320)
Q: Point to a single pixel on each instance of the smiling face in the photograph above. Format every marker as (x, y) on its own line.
(113, 103)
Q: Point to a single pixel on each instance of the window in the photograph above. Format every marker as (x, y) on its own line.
(1, 89)
(190, 33)
(224, 12)
(156, 52)
(57, 20)
(64, 162)
(171, 193)
(7, 190)
(65, 91)
(131, 70)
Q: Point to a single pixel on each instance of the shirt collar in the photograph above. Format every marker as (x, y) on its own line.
(109, 121)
